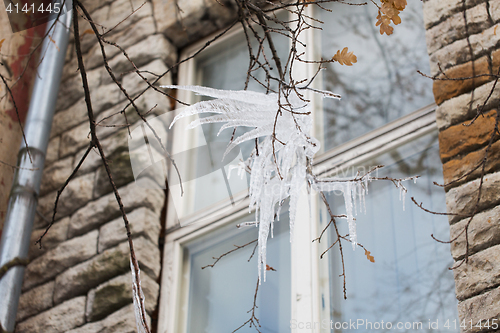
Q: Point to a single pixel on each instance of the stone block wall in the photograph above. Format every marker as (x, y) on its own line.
(80, 280)
(463, 146)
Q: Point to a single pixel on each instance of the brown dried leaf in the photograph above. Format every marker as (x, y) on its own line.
(1, 43)
(384, 21)
(87, 32)
(396, 19)
(369, 256)
(389, 10)
(54, 42)
(269, 268)
(344, 57)
(399, 4)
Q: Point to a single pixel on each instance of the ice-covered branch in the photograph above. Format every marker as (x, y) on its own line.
(282, 121)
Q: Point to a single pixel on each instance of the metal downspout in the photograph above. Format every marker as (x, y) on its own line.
(23, 198)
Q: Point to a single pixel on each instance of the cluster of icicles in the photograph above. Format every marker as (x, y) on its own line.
(279, 170)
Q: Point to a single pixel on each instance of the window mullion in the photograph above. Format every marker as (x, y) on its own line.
(306, 298)
(305, 268)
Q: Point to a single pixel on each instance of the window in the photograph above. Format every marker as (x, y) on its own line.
(384, 84)
(222, 67)
(386, 119)
(219, 297)
(410, 282)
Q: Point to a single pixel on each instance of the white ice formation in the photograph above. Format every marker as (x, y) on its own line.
(279, 170)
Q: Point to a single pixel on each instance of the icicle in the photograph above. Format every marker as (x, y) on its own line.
(365, 192)
(402, 193)
(262, 247)
(404, 197)
(279, 170)
(367, 178)
(278, 212)
(360, 194)
(265, 219)
(297, 181)
(138, 297)
(354, 198)
(237, 95)
(247, 224)
(350, 218)
(310, 206)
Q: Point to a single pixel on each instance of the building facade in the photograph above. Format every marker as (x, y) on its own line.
(80, 280)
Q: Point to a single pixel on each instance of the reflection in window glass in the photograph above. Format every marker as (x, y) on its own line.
(410, 280)
(227, 69)
(383, 85)
(225, 66)
(219, 297)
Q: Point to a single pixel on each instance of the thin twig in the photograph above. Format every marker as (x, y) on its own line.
(253, 318)
(95, 142)
(237, 247)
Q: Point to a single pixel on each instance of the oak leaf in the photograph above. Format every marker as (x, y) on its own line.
(369, 256)
(399, 4)
(384, 21)
(344, 57)
(396, 19)
(389, 10)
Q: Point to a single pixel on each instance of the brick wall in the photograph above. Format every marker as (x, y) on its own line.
(464, 147)
(14, 58)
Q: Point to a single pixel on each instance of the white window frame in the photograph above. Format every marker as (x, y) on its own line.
(184, 139)
(308, 275)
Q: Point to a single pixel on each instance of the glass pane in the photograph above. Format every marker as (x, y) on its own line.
(410, 281)
(219, 297)
(383, 85)
(225, 66)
